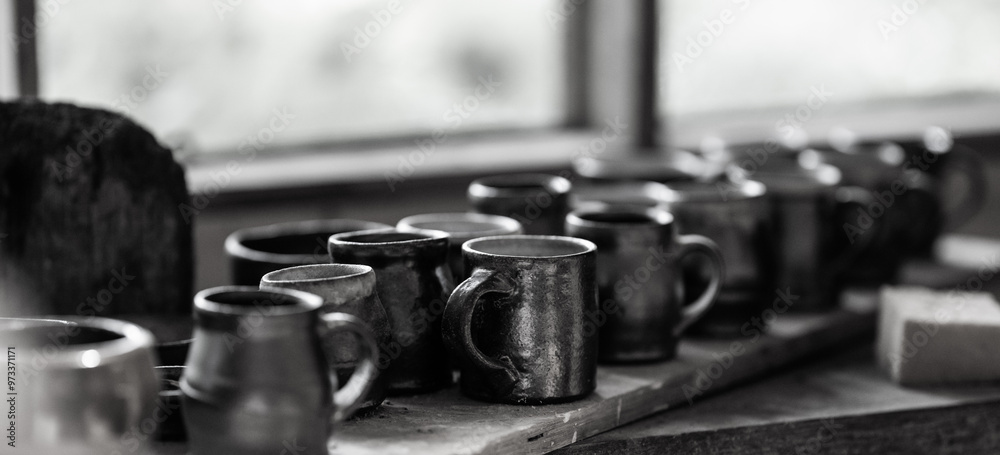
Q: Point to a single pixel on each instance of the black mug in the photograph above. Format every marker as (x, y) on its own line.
(537, 201)
(522, 325)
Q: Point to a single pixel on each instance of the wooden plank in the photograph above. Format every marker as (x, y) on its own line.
(840, 405)
(445, 422)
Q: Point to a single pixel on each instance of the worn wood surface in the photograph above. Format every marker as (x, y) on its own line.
(91, 219)
(448, 423)
(843, 405)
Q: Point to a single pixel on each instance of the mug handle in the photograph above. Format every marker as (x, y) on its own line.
(697, 244)
(456, 326)
(348, 398)
(971, 165)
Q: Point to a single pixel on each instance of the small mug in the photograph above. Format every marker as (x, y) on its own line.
(257, 375)
(521, 324)
(413, 282)
(461, 227)
(350, 289)
(258, 250)
(537, 201)
(639, 277)
(82, 385)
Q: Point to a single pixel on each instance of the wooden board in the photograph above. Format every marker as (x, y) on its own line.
(841, 405)
(448, 423)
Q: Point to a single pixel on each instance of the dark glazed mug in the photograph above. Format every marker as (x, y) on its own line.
(640, 282)
(537, 201)
(413, 282)
(522, 325)
(461, 227)
(350, 289)
(258, 250)
(737, 217)
(257, 377)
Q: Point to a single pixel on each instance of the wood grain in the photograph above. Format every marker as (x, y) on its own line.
(448, 423)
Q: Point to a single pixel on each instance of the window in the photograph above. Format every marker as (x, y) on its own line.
(754, 61)
(203, 75)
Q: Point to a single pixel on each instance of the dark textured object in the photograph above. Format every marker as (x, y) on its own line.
(256, 251)
(737, 217)
(538, 201)
(461, 227)
(257, 378)
(172, 426)
(90, 214)
(812, 250)
(413, 282)
(345, 288)
(524, 325)
(639, 279)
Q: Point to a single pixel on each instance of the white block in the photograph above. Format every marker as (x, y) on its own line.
(932, 337)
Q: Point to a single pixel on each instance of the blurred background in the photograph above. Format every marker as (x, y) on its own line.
(379, 109)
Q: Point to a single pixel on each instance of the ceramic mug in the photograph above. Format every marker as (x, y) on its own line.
(521, 325)
(350, 289)
(537, 201)
(413, 282)
(639, 279)
(461, 227)
(257, 377)
(258, 250)
(737, 217)
(82, 385)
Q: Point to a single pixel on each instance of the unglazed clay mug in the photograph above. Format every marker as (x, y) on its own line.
(537, 201)
(413, 282)
(81, 385)
(639, 277)
(257, 377)
(523, 324)
(350, 289)
(258, 250)
(461, 227)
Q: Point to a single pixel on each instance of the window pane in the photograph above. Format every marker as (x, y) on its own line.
(331, 70)
(723, 55)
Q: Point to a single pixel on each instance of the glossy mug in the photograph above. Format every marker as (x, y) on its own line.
(522, 324)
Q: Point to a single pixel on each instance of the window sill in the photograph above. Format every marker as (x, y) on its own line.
(389, 165)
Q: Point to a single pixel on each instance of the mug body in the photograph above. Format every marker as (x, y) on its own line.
(256, 377)
(538, 201)
(350, 289)
(545, 328)
(413, 282)
(81, 385)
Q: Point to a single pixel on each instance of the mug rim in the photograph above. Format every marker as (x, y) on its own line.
(587, 246)
(656, 217)
(131, 338)
(427, 235)
(235, 241)
(692, 191)
(499, 224)
(493, 186)
(305, 302)
(352, 271)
